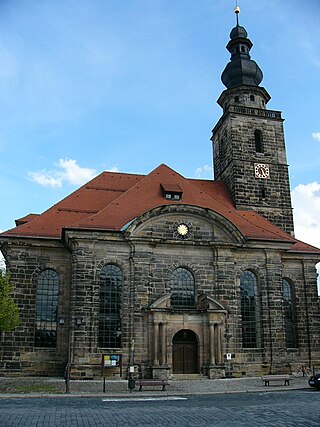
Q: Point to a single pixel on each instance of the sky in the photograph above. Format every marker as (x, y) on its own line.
(124, 85)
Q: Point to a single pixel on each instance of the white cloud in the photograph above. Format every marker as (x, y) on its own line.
(204, 171)
(306, 203)
(306, 213)
(67, 171)
(316, 136)
(44, 178)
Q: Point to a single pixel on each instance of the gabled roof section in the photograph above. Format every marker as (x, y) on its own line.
(147, 195)
(112, 200)
(84, 202)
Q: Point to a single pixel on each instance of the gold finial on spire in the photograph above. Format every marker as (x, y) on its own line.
(237, 11)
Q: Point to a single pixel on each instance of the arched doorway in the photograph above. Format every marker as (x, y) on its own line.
(185, 352)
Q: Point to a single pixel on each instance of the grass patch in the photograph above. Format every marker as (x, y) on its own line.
(35, 388)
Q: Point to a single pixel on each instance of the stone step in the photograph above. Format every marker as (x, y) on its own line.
(187, 377)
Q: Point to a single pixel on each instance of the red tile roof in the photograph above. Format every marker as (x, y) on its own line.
(111, 200)
(26, 219)
(303, 247)
(87, 200)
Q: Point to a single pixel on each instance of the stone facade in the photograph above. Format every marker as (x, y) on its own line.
(147, 252)
(207, 285)
(25, 259)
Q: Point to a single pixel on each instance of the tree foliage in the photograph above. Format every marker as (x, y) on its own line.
(9, 311)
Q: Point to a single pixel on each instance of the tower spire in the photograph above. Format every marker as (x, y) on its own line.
(237, 11)
(241, 70)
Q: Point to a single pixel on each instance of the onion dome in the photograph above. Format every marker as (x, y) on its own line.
(241, 70)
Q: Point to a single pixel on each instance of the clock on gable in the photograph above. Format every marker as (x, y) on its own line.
(182, 229)
(261, 170)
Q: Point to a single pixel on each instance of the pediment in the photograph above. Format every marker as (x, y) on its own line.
(163, 302)
(162, 224)
(204, 302)
(207, 302)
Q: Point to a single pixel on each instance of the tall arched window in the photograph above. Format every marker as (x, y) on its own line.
(258, 140)
(250, 310)
(289, 314)
(182, 288)
(46, 309)
(110, 307)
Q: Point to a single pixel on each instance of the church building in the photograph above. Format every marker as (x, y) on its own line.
(175, 276)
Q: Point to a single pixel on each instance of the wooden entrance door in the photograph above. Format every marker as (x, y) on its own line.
(185, 352)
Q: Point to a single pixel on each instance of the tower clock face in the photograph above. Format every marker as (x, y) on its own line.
(262, 171)
(182, 229)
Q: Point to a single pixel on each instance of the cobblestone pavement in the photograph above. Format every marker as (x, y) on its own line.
(291, 408)
(43, 386)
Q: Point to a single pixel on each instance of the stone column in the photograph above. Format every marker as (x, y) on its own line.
(163, 344)
(218, 342)
(156, 343)
(211, 344)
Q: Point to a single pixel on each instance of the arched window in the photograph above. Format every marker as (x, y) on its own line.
(182, 288)
(289, 315)
(110, 307)
(250, 311)
(46, 309)
(258, 140)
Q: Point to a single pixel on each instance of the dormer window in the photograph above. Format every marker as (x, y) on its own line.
(171, 192)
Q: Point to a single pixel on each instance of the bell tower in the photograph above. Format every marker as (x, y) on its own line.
(249, 152)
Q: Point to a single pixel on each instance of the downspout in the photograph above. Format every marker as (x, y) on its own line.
(131, 301)
(72, 299)
(269, 314)
(270, 333)
(307, 313)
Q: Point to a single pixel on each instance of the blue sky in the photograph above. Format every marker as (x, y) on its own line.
(125, 85)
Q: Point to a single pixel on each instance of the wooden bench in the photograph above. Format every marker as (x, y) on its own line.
(152, 383)
(281, 377)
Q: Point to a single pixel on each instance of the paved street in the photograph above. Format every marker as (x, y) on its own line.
(283, 408)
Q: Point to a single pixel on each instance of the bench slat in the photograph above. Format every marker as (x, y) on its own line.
(280, 377)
